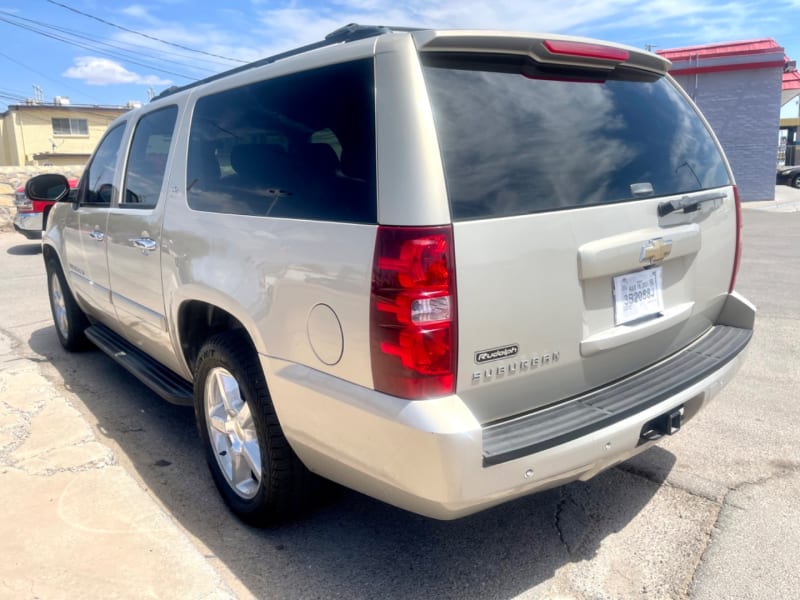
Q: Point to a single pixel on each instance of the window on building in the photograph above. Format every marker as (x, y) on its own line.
(70, 127)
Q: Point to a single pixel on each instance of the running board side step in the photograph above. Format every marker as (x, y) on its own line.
(154, 375)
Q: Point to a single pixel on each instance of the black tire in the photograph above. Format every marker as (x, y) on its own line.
(796, 181)
(68, 318)
(284, 487)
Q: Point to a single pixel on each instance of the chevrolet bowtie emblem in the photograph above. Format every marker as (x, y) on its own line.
(654, 251)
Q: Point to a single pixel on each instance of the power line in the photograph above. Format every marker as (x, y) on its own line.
(145, 35)
(93, 48)
(11, 94)
(87, 38)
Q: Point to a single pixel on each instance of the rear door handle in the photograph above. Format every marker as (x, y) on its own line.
(97, 235)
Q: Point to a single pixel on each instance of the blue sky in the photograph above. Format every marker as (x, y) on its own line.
(118, 60)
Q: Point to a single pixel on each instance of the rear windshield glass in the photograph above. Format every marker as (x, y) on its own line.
(515, 143)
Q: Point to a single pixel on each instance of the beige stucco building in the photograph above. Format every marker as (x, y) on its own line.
(57, 134)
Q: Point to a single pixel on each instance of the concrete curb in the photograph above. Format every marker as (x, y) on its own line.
(787, 199)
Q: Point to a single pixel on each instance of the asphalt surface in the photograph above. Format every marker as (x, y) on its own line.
(710, 513)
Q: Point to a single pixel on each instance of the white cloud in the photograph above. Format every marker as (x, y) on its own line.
(670, 23)
(544, 15)
(102, 71)
(301, 21)
(137, 11)
(268, 27)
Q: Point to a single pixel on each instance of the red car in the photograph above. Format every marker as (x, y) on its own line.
(31, 216)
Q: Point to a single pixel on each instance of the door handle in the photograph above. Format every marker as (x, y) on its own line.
(97, 235)
(146, 245)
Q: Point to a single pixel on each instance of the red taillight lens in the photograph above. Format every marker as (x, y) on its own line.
(738, 257)
(586, 50)
(22, 202)
(413, 312)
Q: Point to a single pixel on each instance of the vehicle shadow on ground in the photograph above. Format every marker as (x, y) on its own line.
(25, 249)
(352, 546)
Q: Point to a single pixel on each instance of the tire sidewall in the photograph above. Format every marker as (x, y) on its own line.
(76, 322)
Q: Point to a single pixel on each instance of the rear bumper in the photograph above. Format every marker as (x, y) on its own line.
(29, 224)
(433, 458)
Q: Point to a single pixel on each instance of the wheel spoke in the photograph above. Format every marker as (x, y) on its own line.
(252, 456)
(245, 418)
(242, 475)
(228, 391)
(222, 450)
(217, 423)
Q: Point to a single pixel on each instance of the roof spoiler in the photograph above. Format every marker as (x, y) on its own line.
(551, 49)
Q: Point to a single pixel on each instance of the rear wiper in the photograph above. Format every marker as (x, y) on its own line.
(690, 204)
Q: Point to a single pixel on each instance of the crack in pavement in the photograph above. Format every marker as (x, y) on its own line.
(23, 358)
(782, 469)
(557, 519)
(41, 433)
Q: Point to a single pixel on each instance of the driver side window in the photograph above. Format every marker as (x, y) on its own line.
(97, 182)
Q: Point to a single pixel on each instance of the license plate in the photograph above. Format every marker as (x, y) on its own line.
(637, 295)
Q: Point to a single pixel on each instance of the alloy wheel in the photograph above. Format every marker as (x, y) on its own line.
(232, 433)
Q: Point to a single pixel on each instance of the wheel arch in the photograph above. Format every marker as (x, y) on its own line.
(50, 253)
(197, 320)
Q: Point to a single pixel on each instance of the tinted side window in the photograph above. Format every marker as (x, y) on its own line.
(147, 161)
(300, 146)
(97, 183)
(517, 141)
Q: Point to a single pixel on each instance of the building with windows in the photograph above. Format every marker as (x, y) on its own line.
(57, 134)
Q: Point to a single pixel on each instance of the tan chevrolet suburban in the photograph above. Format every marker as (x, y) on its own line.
(443, 268)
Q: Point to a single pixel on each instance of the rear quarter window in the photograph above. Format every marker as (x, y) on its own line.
(298, 146)
(515, 143)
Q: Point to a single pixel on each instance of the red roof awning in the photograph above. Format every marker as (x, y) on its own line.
(791, 80)
(747, 47)
(726, 56)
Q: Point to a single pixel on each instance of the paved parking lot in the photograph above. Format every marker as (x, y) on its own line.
(710, 513)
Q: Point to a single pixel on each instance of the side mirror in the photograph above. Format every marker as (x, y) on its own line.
(50, 187)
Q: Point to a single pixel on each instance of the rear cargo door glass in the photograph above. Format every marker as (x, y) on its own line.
(519, 141)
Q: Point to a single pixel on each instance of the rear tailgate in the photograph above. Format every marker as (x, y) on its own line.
(594, 215)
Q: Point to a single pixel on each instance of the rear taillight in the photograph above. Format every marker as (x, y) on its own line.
(22, 202)
(737, 258)
(413, 312)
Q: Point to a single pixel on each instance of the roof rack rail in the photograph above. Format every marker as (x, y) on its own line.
(348, 33)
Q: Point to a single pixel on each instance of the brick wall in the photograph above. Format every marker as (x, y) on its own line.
(743, 108)
(13, 177)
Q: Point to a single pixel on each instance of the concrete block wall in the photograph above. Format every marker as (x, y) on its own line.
(743, 107)
(13, 177)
